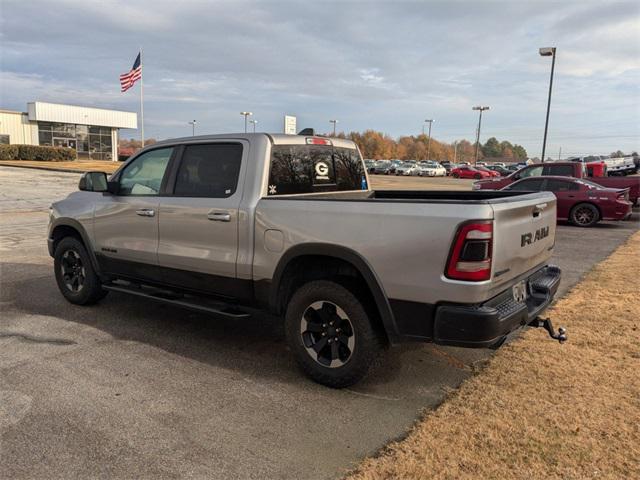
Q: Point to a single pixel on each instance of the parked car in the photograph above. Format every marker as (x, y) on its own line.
(287, 224)
(564, 169)
(581, 202)
(432, 169)
(491, 172)
(370, 165)
(465, 171)
(513, 167)
(383, 167)
(408, 169)
(499, 169)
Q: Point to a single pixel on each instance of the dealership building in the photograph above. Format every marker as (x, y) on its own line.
(91, 132)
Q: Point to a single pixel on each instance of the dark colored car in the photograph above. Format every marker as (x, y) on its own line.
(383, 167)
(501, 170)
(581, 202)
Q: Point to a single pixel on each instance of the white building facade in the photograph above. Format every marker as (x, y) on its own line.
(91, 132)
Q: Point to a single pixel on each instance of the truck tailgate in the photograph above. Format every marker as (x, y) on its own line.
(524, 234)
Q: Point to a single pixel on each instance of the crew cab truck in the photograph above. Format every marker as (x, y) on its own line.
(563, 169)
(287, 224)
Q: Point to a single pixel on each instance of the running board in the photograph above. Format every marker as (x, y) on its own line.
(193, 303)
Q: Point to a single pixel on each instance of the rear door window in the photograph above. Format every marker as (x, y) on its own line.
(530, 185)
(314, 168)
(209, 170)
(560, 186)
(559, 170)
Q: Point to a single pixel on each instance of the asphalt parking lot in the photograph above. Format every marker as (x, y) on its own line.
(131, 389)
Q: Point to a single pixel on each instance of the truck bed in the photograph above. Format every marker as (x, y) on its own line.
(414, 196)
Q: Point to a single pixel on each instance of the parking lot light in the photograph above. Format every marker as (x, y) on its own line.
(246, 114)
(193, 128)
(548, 52)
(254, 123)
(481, 109)
(334, 126)
(429, 121)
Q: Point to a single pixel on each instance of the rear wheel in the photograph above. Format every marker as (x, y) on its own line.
(455, 175)
(477, 176)
(75, 276)
(584, 215)
(330, 334)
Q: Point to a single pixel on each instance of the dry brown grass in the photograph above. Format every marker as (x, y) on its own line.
(540, 409)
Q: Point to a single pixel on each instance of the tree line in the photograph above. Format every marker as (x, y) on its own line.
(380, 146)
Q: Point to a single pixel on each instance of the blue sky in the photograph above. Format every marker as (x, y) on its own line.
(380, 65)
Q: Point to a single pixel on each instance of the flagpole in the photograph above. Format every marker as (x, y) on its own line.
(141, 99)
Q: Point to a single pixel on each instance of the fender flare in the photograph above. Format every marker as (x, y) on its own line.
(354, 259)
(77, 226)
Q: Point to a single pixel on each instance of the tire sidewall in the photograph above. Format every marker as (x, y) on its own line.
(91, 290)
(366, 340)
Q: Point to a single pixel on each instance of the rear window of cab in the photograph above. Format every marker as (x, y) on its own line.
(299, 169)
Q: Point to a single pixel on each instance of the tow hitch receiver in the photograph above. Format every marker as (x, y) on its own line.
(545, 323)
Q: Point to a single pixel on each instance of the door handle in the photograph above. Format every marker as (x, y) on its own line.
(219, 216)
(538, 209)
(146, 212)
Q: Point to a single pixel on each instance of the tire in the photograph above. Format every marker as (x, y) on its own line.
(311, 334)
(584, 215)
(477, 176)
(455, 175)
(74, 272)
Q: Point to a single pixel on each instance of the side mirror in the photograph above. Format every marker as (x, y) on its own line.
(94, 182)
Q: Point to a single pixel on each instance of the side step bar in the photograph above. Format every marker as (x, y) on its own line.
(192, 303)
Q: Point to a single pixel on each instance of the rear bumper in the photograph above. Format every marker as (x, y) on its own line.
(488, 324)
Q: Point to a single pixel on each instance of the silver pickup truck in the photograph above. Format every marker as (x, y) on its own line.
(287, 224)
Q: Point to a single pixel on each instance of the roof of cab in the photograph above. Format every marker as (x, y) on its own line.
(275, 138)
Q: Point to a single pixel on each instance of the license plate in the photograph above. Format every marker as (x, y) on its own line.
(519, 291)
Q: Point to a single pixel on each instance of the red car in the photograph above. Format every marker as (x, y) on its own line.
(467, 171)
(581, 202)
(489, 171)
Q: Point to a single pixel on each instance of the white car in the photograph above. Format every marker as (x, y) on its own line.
(432, 170)
(407, 169)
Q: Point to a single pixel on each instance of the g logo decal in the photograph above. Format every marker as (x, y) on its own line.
(322, 171)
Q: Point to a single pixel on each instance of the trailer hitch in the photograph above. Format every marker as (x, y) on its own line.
(545, 323)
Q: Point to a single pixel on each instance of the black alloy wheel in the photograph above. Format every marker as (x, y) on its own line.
(327, 334)
(73, 271)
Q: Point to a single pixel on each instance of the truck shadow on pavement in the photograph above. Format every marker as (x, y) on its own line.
(254, 347)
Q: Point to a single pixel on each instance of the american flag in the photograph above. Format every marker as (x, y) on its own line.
(128, 79)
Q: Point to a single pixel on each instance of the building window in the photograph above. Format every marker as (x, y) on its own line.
(90, 141)
(4, 140)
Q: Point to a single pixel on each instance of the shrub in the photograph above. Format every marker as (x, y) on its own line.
(35, 152)
(8, 152)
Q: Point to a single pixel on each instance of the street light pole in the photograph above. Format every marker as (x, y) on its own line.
(253, 122)
(546, 52)
(334, 126)
(429, 121)
(455, 151)
(481, 109)
(245, 114)
(193, 128)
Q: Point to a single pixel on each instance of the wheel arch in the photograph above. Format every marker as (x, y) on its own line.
(69, 227)
(324, 254)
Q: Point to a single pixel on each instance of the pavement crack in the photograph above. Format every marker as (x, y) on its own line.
(34, 339)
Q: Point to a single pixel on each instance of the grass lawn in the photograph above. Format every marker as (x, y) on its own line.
(539, 409)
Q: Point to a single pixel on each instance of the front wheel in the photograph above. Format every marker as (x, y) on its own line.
(584, 215)
(330, 333)
(477, 176)
(455, 175)
(75, 276)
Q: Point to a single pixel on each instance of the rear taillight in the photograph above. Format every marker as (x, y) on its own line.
(470, 257)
